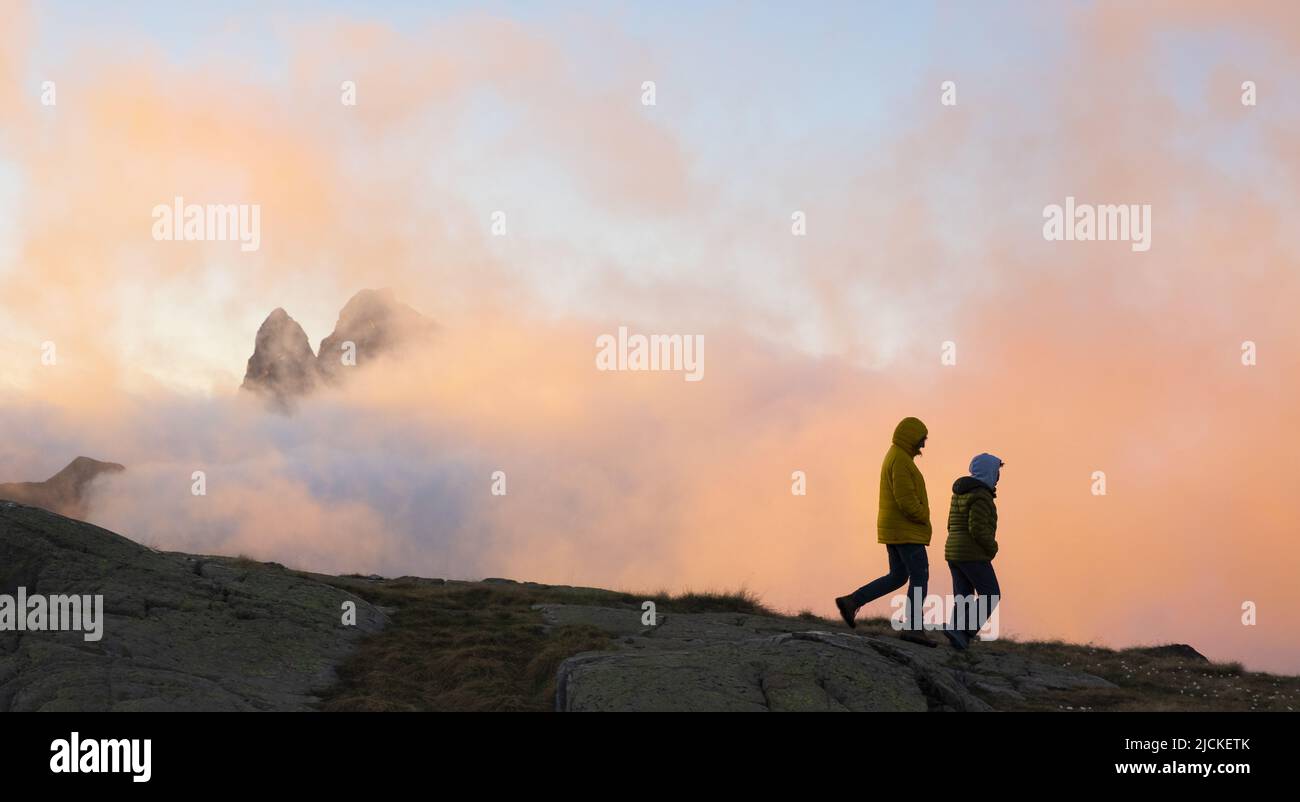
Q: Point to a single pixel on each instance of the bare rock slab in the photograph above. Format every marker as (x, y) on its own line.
(741, 662)
(180, 632)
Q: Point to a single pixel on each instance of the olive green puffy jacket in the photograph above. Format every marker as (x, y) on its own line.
(972, 522)
(904, 515)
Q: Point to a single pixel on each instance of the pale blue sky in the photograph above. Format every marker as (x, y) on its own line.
(775, 107)
(758, 95)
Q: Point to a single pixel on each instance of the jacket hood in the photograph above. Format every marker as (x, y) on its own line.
(986, 468)
(908, 435)
(969, 484)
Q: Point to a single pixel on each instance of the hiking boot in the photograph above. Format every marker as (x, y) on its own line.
(919, 636)
(957, 639)
(847, 611)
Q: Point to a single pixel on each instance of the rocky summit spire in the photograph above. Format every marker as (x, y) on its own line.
(283, 365)
(375, 323)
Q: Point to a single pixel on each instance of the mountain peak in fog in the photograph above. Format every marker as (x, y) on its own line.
(283, 366)
(66, 492)
(375, 322)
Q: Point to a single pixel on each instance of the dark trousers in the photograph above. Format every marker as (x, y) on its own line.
(969, 578)
(907, 564)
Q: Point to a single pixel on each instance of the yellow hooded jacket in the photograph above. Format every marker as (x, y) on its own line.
(904, 507)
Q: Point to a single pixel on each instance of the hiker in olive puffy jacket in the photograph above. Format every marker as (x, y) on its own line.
(972, 545)
(903, 525)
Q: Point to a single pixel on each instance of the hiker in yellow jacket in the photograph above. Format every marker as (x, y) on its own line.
(903, 525)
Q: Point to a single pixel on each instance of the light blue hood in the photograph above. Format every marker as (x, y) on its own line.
(986, 468)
